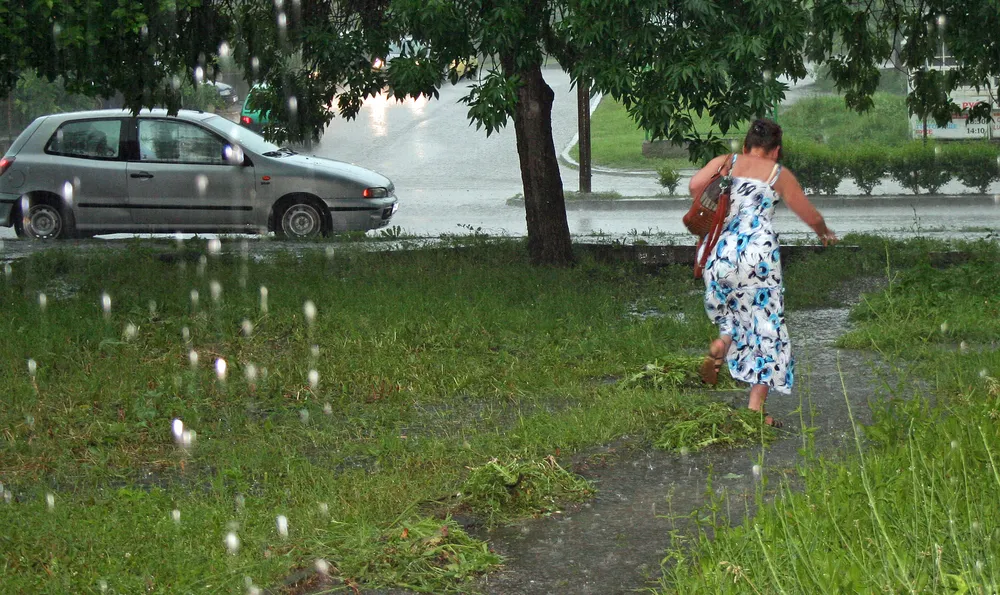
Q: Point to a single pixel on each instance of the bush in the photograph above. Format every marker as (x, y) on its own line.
(975, 164)
(669, 178)
(867, 165)
(916, 165)
(818, 168)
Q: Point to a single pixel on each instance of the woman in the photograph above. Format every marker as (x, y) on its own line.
(743, 290)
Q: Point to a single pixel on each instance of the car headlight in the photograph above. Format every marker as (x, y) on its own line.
(376, 192)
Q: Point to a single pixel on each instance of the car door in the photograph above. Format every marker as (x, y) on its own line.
(84, 165)
(181, 180)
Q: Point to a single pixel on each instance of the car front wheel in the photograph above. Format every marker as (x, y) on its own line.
(301, 220)
(43, 221)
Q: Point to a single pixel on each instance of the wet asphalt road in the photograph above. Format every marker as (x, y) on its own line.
(452, 178)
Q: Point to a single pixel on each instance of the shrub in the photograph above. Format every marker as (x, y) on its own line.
(866, 165)
(817, 168)
(975, 164)
(669, 178)
(916, 165)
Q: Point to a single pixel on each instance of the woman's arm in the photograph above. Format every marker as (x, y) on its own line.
(790, 190)
(701, 179)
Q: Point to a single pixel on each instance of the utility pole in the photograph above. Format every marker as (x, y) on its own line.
(583, 125)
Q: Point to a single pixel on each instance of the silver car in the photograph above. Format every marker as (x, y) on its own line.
(85, 173)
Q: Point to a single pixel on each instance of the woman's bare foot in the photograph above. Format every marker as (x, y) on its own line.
(710, 366)
(772, 422)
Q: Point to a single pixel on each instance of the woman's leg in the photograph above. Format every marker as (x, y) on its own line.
(717, 351)
(758, 394)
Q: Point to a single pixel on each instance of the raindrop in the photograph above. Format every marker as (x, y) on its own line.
(67, 192)
(29, 420)
(768, 75)
(253, 590)
(309, 309)
(937, 150)
(201, 182)
(152, 307)
(8, 496)
(144, 31)
(175, 82)
(220, 369)
(214, 245)
(944, 327)
(193, 357)
(304, 415)
(130, 331)
(328, 409)
(216, 289)
(314, 351)
(282, 22)
(179, 238)
(996, 201)
(176, 515)
(322, 567)
(263, 299)
(32, 367)
(983, 373)
(324, 508)
(8, 270)
(188, 437)
(313, 379)
(293, 106)
(279, 4)
(942, 20)
(199, 74)
(202, 265)
(224, 50)
(186, 334)
(734, 145)
(50, 501)
(232, 542)
(241, 502)
(177, 427)
(244, 249)
(246, 327)
(282, 524)
(954, 444)
(963, 347)
(254, 65)
(56, 29)
(233, 155)
(106, 303)
(43, 301)
(250, 373)
(330, 252)
(103, 585)
(194, 298)
(756, 471)
(979, 566)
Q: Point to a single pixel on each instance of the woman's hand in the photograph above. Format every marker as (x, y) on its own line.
(828, 237)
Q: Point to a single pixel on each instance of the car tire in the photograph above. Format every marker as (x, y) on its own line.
(45, 219)
(302, 219)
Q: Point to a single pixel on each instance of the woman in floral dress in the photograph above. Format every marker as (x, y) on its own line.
(743, 288)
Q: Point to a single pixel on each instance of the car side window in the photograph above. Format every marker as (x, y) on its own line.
(89, 139)
(176, 141)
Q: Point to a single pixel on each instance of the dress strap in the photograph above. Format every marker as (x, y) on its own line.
(774, 175)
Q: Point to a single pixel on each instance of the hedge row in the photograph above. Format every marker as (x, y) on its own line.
(916, 166)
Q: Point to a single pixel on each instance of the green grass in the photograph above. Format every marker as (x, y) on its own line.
(358, 427)
(915, 508)
(616, 139)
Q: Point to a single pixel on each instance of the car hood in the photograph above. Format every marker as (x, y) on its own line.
(340, 170)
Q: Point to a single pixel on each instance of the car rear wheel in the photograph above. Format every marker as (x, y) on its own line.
(301, 220)
(44, 220)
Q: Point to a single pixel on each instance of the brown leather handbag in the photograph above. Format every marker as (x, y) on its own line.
(708, 213)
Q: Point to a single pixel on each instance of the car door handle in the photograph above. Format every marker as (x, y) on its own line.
(145, 175)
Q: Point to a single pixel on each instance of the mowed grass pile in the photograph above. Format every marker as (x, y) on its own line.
(343, 438)
(916, 509)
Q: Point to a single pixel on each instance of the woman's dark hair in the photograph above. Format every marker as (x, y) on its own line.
(763, 133)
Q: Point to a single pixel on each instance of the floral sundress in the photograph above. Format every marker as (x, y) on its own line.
(743, 291)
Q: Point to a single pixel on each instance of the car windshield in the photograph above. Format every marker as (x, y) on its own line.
(247, 138)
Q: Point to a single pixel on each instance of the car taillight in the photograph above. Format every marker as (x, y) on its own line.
(245, 120)
(5, 163)
(377, 192)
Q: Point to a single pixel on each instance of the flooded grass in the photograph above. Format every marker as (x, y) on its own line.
(915, 507)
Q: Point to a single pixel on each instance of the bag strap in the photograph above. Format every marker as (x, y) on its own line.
(707, 243)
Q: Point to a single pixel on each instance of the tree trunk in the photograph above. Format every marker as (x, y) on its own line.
(583, 127)
(549, 241)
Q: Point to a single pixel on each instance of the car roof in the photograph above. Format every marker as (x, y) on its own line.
(183, 114)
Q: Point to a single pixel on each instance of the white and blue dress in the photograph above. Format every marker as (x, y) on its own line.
(743, 290)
